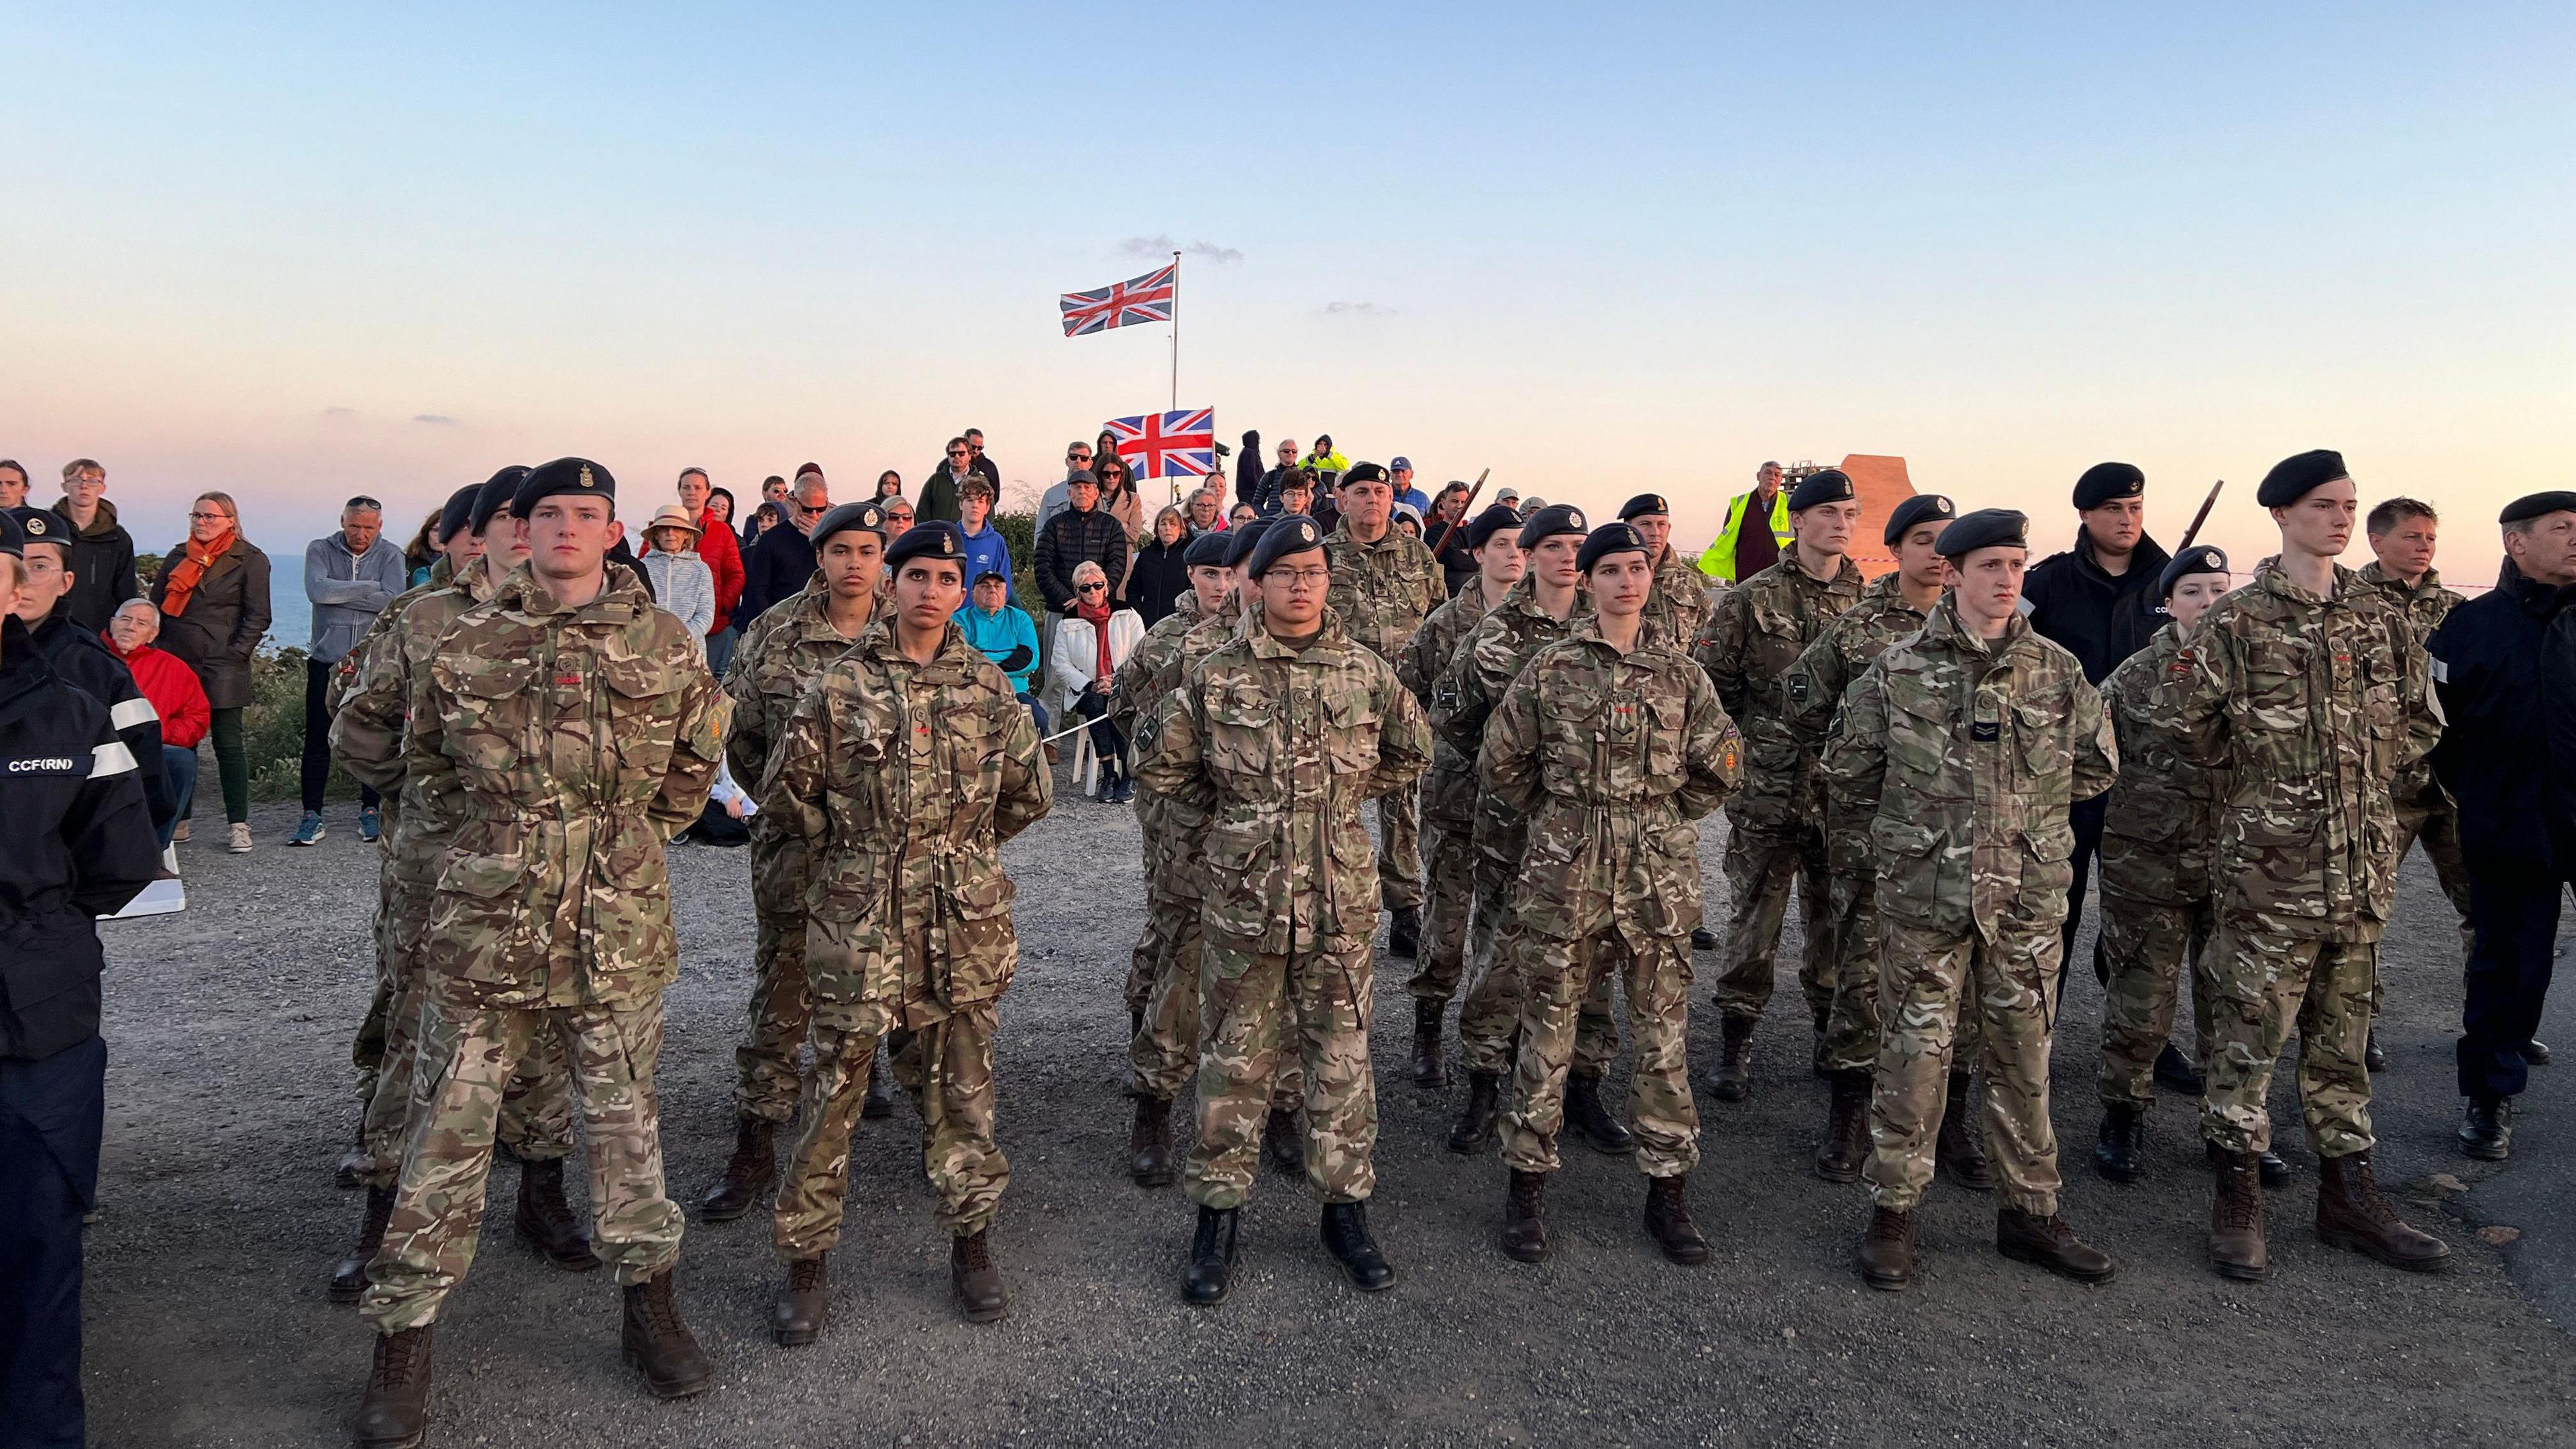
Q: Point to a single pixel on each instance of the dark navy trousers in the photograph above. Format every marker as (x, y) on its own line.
(51, 1113)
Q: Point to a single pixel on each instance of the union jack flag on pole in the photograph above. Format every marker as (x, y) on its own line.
(1120, 304)
(1168, 445)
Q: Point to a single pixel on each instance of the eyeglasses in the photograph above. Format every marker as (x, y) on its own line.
(814, 511)
(1077, 457)
(903, 517)
(1092, 588)
(1304, 578)
(364, 502)
(974, 447)
(957, 452)
(209, 514)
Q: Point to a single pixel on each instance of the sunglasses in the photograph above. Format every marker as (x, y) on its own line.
(1090, 588)
(957, 452)
(1077, 457)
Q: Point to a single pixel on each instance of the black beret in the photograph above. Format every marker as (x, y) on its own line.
(2206, 558)
(1913, 513)
(1829, 485)
(936, 539)
(1496, 517)
(13, 539)
(37, 525)
(1362, 473)
(1985, 528)
(2534, 505)
(1643, 504)
(1550, 521)
(2105, 481)
(2295, 478)
(868, 517)
(458, 515)
(1292, 533)
(495, 495)
(1608, 539)
(564, 475)
(1207, 551)
(1241, 542)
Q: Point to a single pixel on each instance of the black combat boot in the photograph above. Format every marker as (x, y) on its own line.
(1846, 1145)
(2175, 1073)
(1149, 1146)
(1668, 1221)
(1591, 1119)
(977, 1282)
(1733, 1079)
(659, 1344)
(746, 1173)
(1404, 933)
(2269, 1166)
(349, 1280)
(2352, 1214)
(2237, 1246)
(544, 1220)
(2486, 1129)
(2535, 1053)
(1816, 1053)
(354, 1163)
(1428, 1068)
(395, 1412)
(1474, 1131)
(1346, 1237)
(2371, 1056)
(804, 1305)
(2120, 1153)
(1524, 1234)
(2047, 1242)
(1283, 1143)
(1960, 1150)
(1887, 1250)
(879, 1102)
(1211, 1256)
(1703, 939)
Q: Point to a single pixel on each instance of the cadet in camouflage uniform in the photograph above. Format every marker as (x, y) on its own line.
(1962, 746)
(1538, 611)
(1891, 608)
(2157, 840)
(2310, 692)
(1279, 737)
(1612, 744)
(1449, 791)
(788, 648)
(904, 769)
(1385, 583)
(367, 736)
(1680, 603)
(561, 732)
(1776, 834)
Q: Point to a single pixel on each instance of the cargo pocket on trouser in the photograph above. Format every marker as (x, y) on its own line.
(1909, 867)
(982, 952)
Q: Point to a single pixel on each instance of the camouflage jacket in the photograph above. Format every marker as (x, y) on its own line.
(1452, 793)
(1611, 758)
(1825, 671)
(1755, 632)
(1383, 590)
(1131, 699)
(345, 678)
(2160, 828)
(1480, 673)
(1678, 604)
(1183, 823)
(1964, 754)
(790, 644)
(2313, 706)
(2425, 604)
(903, 780)
(562, 746)
(368, 723)
(1279, 747)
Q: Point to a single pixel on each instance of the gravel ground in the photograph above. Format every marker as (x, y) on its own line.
(228, 1102)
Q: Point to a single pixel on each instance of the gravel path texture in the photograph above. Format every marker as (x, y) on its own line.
(229, 1101)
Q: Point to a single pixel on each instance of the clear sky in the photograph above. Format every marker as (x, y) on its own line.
(301, 253)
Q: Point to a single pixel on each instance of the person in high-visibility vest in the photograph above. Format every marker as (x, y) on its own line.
(1735, 557)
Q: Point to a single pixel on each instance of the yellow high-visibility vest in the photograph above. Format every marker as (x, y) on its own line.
(1719, 560)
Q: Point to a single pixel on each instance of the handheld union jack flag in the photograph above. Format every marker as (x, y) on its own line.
(1168, 445)
(1138, 299)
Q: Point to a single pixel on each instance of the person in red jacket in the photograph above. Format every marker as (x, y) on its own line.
(722, 555)
(175, 694)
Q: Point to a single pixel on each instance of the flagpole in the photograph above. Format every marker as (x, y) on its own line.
(1176, 352)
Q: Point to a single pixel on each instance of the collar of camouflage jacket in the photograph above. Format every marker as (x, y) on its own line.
(1944, 624)
(954, 663)
(2272, 578)
(2371, 572)
(1649, 634)
(1264, 646)
(620, 599)
(1523, 598)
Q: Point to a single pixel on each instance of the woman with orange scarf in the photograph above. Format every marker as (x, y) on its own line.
(213, 596)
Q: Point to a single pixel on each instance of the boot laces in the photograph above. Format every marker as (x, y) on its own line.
(2240, 1204)
(972, 1253)
(805, 1275)
(401, 1354)
(2363, 1193)
(1887, 1227)
(660, 1311)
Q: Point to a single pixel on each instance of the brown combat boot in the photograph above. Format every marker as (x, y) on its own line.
(1283, 1143)
(746, 1173)
(1149, 1146)
(544, 1220)
(1668, 1221)
(2236, 1240)
(804, 1305)
(1960, 1150)
(1846, 1129)
(395, 1411)
(977, 1282)
(656, 1342)
(2352, 1214)
(2047, 1242)
(1592, 1119)
(1524, 1235)
(1733, 1079)
(1887, 1250)
(1474, 1130)
(349, 1280)
(1428, 1068)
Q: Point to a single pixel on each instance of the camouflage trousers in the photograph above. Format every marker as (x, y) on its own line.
(1399, 849)
(1656, 972)
(1761, 863)
(1153, 943)
(1257, 1013)
(1492, 1012)
(465, 1060)
(767, 1065)
(2266, 980)
(2436, 827)
(1927, 979)
(947, 1066)
(2144, 946)
(1852, 1021)
(1165, 1051)
(1449, 860)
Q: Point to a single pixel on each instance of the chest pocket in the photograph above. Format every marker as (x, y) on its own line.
(1239, 726)
(2384, 678)
(976, 736)
(1918, 732)
(643, 705)
(1667, 723)
(2276, 685)
(1776, 643)
(1354, 736)
(485, 733)
(2041, 729)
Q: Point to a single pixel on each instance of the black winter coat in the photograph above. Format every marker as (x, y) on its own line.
(1072, 537)
(1159, 579)
(102, 565)
(2504, 664)
(2099, 619)
(776, 568)
(226, 618)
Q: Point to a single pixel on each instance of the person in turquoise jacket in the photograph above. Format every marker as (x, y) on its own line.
(1005, 634)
